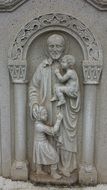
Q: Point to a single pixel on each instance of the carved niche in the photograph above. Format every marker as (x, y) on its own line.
(54, 106)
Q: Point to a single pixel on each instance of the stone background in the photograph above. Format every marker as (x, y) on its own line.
(10, 25)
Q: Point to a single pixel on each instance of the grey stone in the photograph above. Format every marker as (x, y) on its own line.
(99, 4)
(22, 48)
(10, 5)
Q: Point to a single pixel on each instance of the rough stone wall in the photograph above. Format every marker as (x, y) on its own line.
(10, 25)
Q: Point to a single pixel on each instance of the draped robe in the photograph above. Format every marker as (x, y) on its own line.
(41, 92)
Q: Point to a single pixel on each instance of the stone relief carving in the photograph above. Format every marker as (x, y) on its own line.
(49, 20)
(10, 5)
(17, 72)
(43, 152)
(99, 4)
(68, 82)
(92, 72)
(41, 91)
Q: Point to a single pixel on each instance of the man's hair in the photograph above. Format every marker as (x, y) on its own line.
(57, 36)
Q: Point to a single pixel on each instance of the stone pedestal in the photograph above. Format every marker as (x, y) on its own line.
(19, 170)
(88, 175)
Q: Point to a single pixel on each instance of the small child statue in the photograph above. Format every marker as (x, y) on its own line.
(43, 152)
(68, 82)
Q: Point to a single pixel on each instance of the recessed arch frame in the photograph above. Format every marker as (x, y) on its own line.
(92, 68)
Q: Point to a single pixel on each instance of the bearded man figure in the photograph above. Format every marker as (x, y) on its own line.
(41, 90)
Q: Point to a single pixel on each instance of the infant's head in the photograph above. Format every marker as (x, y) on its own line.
(40, 113)
(67, 61)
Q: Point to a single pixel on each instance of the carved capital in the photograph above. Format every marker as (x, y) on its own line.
(92, 72)
(17, 73)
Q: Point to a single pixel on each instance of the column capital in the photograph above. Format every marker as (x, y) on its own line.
(92, 72)
(18, 72)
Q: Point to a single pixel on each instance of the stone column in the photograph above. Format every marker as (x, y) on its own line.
(19, 170)
(88, 172)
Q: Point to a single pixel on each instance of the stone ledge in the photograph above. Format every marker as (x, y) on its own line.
(10, 5)
(8, 184)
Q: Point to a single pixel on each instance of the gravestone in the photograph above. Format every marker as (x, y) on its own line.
(53, 98)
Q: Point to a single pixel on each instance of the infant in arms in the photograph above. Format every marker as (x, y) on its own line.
(68, 81)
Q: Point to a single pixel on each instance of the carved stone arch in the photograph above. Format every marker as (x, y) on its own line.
(92, 67)
(62, 21)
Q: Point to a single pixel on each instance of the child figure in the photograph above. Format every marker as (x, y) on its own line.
(69, 80)
(43, 152)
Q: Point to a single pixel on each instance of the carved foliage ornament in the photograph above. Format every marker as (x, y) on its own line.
(94, 54)
(49, 20)
(17, 72)
(92, 72)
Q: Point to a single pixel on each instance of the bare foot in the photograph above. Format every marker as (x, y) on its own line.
(41, 172)
(55, 175)
(61, 103)
(53, 99)
(65, 172)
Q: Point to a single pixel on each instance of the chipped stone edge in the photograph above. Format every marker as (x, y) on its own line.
(100, 5)
(8, 6)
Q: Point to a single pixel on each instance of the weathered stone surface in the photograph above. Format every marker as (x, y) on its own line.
(7, 184)
(22, 49)
(10, 5)
(99, 4)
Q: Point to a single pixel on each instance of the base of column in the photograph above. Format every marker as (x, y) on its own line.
(88, 175)
(19, 171)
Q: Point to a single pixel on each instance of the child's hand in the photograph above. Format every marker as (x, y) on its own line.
(56, 70)
(35, 108)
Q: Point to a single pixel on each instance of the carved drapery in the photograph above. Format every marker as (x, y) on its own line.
(92, 67)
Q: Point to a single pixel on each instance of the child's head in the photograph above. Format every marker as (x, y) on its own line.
(67, 61)
(40, 114)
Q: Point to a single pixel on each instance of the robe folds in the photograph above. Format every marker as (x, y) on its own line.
(41, 91)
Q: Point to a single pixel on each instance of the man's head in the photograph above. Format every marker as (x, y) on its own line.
(56, 45)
